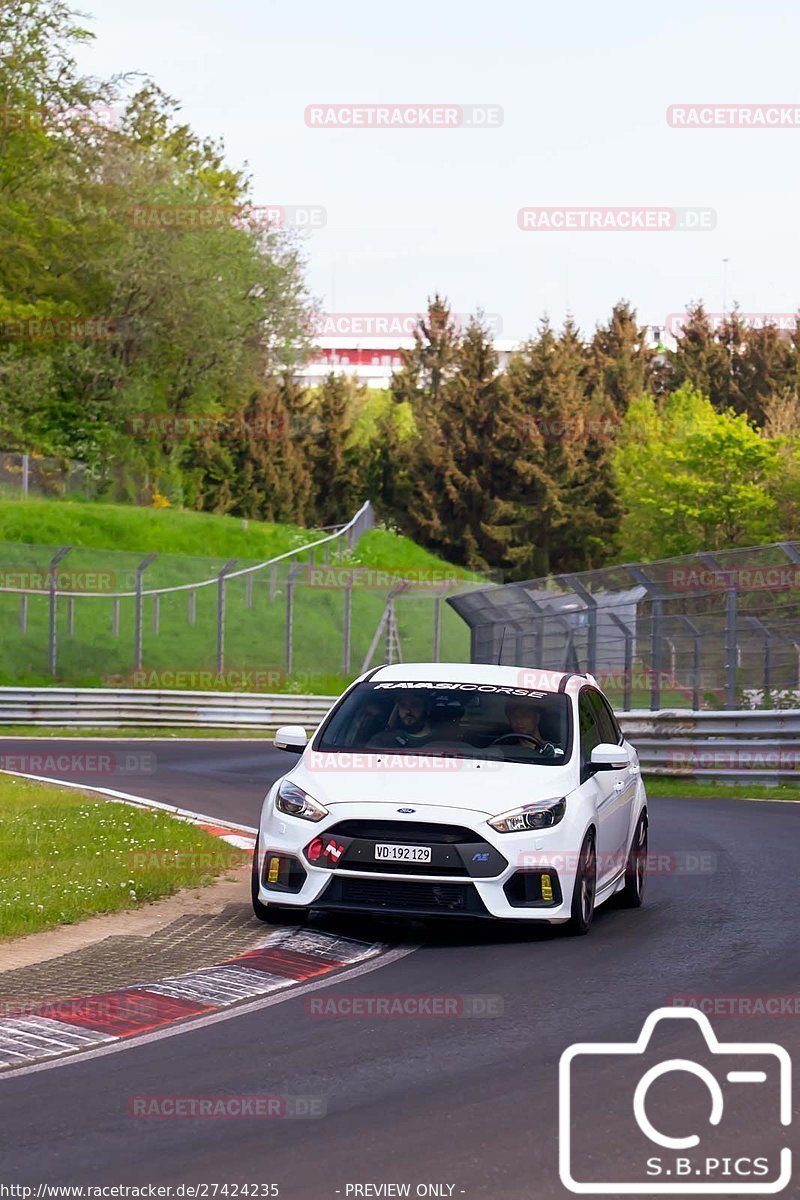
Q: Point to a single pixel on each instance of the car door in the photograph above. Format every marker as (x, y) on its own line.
(629, 777)
(623, 781)
(601, 787)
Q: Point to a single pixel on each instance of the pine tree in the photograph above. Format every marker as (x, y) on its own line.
(575, 515)
(461, 469)
(335, 466)
(621, 360)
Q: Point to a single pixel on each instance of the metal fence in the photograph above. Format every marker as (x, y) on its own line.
(32, 475)
(749, 746)
(90, 617)
(717, 630)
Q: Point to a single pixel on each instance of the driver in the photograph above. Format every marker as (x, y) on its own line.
(413, 726)
(523, 719)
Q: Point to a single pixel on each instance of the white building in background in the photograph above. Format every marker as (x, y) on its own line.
(372, 361)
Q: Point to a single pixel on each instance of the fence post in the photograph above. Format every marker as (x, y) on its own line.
(591, 604)
(731, 647)
(55, 560)
(696, 635)
(137, 647)
(26, 474)
(289, 629)
(628, 661)
(229, 565)
(348, 625)
(437, 626)
(23, 615)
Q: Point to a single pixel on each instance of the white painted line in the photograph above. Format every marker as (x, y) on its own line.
(138, 801)
(196, 1023)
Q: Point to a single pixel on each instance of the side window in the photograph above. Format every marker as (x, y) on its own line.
(605, 719)
(614, 722)
(587, 724)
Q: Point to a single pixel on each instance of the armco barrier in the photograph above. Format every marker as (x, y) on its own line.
(761, 745)
(98, 708)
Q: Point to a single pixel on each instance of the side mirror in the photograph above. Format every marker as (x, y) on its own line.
(608, 757)
(292, 738)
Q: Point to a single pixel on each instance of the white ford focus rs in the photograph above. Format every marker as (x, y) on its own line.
(448, 789)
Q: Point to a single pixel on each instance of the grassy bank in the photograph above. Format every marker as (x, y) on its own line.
(64, 857)
(95, 639)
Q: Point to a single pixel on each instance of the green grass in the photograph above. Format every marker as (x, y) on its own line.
(696, 789)
(144, 530)
(64, 857)
(109, 541)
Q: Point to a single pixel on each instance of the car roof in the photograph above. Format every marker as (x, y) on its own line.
(528, 678)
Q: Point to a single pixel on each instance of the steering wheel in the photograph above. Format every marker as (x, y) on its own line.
(519, 737)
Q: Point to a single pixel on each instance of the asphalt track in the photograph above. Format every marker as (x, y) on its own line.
(464, 1102)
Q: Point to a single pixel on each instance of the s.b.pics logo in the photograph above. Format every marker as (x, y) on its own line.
(705, 1117)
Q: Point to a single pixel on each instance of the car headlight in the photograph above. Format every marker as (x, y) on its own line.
(293, 800)
(530, 816)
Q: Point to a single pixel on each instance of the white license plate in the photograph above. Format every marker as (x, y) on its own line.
(389, 853)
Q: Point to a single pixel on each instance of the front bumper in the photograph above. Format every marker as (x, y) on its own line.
(474, 871)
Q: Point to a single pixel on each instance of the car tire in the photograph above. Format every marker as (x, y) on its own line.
(582, 911)
(632, 894)
(275, 914)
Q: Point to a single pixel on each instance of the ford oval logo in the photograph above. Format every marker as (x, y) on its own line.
(406, 810)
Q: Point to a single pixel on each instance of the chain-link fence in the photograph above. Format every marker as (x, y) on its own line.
(32, 475)
(301, 620)
(717, 630)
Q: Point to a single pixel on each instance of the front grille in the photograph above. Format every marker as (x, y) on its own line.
(424, 899)
(412, 833)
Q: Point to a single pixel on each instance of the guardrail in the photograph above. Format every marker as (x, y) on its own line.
(138, 708)
(760, 745)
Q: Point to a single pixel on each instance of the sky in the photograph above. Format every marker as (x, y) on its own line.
(584, 90)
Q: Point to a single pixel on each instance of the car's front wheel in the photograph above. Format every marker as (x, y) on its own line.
(583, 896)
(632, 894)
(275, 914)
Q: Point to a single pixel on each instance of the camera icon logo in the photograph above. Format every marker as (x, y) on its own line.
(709, 1124)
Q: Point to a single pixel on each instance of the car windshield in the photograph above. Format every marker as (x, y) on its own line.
(462, 720)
